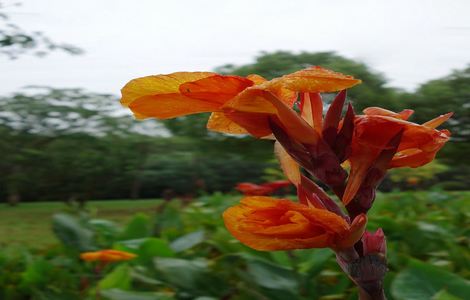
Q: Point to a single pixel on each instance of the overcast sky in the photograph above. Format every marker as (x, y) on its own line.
(408, 41)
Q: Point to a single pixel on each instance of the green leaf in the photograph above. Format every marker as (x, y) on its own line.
(154, 247)
(313, 260)
(272, 276)
(138, 227)
(181, 272)
(443, 295)
(187, 241)
(36, 273)
(421, 281)
(72, 233)
(120, 277)
(146, 248)
(281, 258)
(118, 294)
(139, 277)
(192, 276)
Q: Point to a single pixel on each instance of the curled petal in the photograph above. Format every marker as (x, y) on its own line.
(265, 223)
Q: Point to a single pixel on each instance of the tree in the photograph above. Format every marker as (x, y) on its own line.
(16, 41)
(449, 94)
(72, 125)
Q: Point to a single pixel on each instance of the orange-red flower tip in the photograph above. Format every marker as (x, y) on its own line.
(107, 256)
(265, 223)
(434, 123)
(373, 131)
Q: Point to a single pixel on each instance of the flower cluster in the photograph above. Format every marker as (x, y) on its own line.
(311, 146)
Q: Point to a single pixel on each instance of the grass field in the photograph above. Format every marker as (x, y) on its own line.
(29, 224)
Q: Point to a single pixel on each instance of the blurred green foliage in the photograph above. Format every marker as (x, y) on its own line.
(184, 252)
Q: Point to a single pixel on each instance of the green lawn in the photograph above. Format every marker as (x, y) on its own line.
(29, 224)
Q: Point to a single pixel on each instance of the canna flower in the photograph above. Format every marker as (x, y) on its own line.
(251, 189)
(373, 149)
(107, 256)
(265, 223)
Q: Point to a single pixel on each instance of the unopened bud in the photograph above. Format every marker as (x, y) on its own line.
(373, 243)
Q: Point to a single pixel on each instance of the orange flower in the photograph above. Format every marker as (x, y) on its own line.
(373, 132)
(265, 223)
(239, 105)
(251, 189)
(107, 256)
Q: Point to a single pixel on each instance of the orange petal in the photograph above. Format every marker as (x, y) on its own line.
(403, 115)
(260, 105)
(317, 80)
(306, 108)
(219, 122)
(434, 123)
(216, 88)
(288, 165)
(355, 233)
(168, 106)
(251, 189)
(158, 85)
(317, 111)
(294, 125)
(356, 177)
(257, 124)
(257, 79)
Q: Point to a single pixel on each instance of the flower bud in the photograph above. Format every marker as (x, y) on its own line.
(374, 242)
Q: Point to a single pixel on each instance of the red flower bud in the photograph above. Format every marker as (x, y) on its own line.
(374, 242)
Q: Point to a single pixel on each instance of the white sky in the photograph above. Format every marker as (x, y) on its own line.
(408, 41)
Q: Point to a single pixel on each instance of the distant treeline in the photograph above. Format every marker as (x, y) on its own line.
(68, 144)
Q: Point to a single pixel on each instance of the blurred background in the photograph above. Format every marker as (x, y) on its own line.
(73, 158)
